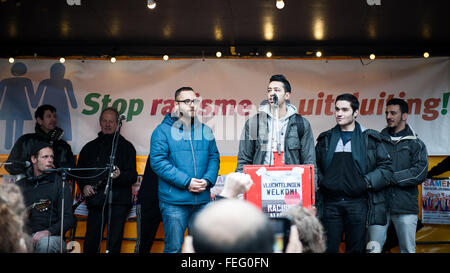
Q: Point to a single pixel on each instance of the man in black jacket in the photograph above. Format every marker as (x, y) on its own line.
(43, 198)
(96, 154)
(353, 168)
(45, 131)
(410, 164)
(147, 211)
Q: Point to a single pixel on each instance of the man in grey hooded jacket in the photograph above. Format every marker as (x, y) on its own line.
(259, 138)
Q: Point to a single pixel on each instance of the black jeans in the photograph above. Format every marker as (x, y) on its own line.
(148, 220)
(119, 214)
(345, 215)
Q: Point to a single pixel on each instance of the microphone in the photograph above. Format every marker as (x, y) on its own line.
(275, 99)
(56, 170)
(122, 117)
(25, 164)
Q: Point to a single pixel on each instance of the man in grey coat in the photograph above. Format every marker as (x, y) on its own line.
(258, 140)
(410, 164)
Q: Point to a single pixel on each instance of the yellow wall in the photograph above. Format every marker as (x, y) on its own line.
(433, 232)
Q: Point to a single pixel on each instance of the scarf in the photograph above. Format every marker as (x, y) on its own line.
(358, 148)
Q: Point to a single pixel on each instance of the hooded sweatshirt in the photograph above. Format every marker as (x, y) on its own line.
(271, 124)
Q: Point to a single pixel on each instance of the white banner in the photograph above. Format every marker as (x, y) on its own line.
(230, 91)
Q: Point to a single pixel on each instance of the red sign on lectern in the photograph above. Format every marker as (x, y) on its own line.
(276, 188)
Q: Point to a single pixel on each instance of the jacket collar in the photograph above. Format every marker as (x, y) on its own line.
(172, 119)
(40, 132)
(358, 147)
(410, 134)
(44, 178)
(290, 110)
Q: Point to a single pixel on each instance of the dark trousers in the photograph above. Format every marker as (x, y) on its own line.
(119, 214)
(345, 215)
(148, 218)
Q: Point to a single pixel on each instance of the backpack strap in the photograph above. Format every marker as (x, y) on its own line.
(257, 125)
(300, 126)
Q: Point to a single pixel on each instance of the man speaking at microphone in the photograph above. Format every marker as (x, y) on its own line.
(96, 154)
(259, 137)
(43, 197)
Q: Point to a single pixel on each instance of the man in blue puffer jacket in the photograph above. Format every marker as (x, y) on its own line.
(184, 155)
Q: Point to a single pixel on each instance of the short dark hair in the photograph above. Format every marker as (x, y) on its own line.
(404, 108)
(112, 109)
(261, 240)
(350, 98)
(41, 110)
(281, 78)
(38, 146)
(181, 89)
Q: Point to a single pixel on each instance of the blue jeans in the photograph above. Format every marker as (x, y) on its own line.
(345, 215)
(405, 227)
(176, 218)
(49, 244)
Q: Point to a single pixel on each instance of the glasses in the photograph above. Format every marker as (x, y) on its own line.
(188, 101)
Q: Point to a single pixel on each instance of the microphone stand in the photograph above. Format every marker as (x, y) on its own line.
(277, 116)
(63, 177)
(22, 164)
(63, 172)
(108, 189)
(278, 154)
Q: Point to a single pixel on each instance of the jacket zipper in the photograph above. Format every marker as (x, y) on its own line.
(193, 155)
(195, 163)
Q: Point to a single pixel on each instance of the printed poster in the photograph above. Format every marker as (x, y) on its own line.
(280, 189)
(436, 201)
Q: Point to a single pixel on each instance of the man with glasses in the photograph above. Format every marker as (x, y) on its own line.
(184, 155)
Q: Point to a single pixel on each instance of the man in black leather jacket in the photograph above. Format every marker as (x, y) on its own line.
(45, 131)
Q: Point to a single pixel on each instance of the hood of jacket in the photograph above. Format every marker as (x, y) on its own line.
(410, 134)
(172, 119)
(290, 110)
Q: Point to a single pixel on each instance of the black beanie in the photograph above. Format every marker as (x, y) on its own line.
(39, 146)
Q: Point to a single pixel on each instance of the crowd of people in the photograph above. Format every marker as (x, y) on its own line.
(365, 181)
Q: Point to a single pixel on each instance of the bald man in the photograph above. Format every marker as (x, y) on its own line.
(235, 226)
